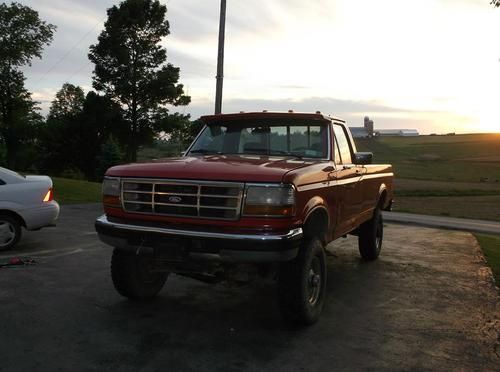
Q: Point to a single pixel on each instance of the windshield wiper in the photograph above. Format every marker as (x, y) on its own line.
(206, 151)
(287, 153)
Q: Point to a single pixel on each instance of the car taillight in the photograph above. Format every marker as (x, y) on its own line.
(49, 196)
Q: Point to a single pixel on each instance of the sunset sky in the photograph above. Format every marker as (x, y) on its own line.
(432, 65)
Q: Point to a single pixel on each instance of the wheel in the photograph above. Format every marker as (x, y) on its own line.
(370, 236)
(10, 232)
(302, 284)
(132, 275)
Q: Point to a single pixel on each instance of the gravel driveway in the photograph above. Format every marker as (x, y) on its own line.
(428, 303)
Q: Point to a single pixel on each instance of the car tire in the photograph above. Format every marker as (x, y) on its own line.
(370, 238)
(302, 284)
(132, 275)
(10, 232)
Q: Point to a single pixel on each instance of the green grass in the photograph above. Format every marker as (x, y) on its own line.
(490, 245)
(68, 191)
(460, 158)
(457, 176)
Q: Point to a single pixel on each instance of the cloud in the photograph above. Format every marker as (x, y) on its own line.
(418, 66)
(426, 121)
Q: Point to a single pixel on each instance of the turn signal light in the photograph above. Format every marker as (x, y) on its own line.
(269, 210)
(111, 201)
(49, 196)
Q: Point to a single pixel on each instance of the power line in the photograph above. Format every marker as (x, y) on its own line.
(69, 52)
(77, 71)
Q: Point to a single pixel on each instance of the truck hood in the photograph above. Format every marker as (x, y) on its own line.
(238, 168)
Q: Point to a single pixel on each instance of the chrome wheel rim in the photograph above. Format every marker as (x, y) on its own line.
(7, 233)
(314, 281)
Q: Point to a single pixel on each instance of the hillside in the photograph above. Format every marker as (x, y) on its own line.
(463, 158)
(456, 176)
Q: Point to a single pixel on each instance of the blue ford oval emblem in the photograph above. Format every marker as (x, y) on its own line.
(174, 199)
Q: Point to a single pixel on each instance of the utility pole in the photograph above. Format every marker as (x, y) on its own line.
(220, 58)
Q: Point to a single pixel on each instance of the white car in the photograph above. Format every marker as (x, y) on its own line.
(25, 201)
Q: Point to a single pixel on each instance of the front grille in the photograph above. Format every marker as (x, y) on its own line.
(212, 200)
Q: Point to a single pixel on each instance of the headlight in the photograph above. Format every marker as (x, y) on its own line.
(111, 192)
(270, 200)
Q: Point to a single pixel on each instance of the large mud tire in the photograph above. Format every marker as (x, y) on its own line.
(370, 238)
(132, 275)
(302, 284)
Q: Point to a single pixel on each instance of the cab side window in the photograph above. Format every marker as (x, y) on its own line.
(343, 145)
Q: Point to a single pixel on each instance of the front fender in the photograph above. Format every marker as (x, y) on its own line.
(313, 204)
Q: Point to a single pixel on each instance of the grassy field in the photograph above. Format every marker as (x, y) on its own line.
(491, 249)
(457, 176)
(460, 158)
(68, 191)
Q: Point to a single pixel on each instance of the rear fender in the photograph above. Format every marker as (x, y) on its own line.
(382, 201)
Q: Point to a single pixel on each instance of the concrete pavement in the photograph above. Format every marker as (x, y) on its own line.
(428, 303)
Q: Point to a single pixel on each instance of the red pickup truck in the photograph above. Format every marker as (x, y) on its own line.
(256, 193)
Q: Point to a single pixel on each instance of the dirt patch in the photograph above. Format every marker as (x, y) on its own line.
(427, 157)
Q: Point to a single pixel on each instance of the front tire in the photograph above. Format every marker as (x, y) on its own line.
(302, 284)
(10, 232)
(370, 238)
(133, 277)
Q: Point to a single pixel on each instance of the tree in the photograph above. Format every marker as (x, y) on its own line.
(495, 3)
(185, 132)
(76, 129)
(131, 68)
(101, 119)
(68, 103)
(22, 37)
(19, 120)
(59, 140)
(109, 155)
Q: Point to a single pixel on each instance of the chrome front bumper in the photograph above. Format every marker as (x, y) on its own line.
(233, 247)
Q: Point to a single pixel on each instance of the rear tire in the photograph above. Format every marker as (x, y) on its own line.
(370, 238)
(302, 284)
(132, 275)
(10, 232)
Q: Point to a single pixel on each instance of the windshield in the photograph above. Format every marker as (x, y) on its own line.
(278, 139)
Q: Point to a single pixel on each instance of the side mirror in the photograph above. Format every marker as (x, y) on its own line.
(361, 158)
(183, 153)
